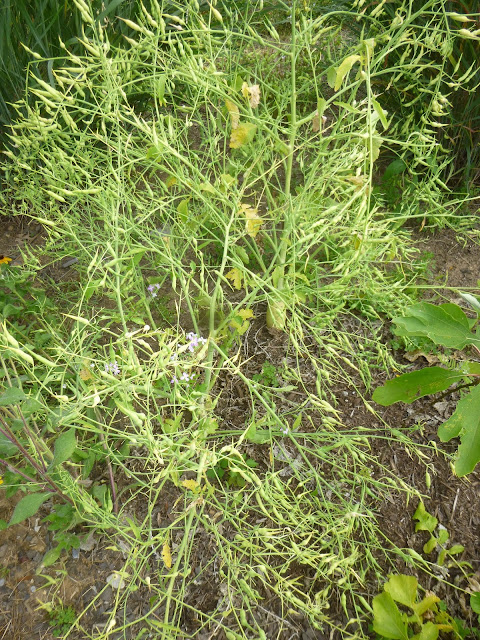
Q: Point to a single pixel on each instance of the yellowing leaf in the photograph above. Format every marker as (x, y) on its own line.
(344, 69)
(253, 220)
(170, 181)
(85, 374)
(233, 112)
(252, 93)
(167, 555)
(240, 322)
(245, 314)
(243, 134)
(191, 485)
(236, 276)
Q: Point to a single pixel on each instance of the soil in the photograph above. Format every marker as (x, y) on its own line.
(25, 587)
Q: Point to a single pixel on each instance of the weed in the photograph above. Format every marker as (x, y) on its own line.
(61, 619)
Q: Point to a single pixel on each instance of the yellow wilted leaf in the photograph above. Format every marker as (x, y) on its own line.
(167, 555)
(233, 112)
(236, 276)
(170, 181)
(85, 374)
(191, 485)
(254, 221)
(252, 93)
(243, 134)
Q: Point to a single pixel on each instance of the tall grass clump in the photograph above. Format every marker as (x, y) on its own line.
(208, 177)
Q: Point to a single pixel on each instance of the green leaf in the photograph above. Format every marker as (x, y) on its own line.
(65, 445)
(344, 69)
(429, 546)
(475, 602)
(395, 168)
(387, 619)
(259, 436)
(427, 603)
(408, 387)
(27, 507)
(429, 631)
(455, 549)
(426, 522)
(442, 536)
(465, 422)
(12, 395)
(403, 589)
(445, 324)
(7, 448)
(51, 556)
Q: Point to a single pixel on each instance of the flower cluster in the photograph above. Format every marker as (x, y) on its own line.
(184, 377)
(153, 289)
(112, 367)
(194, 341)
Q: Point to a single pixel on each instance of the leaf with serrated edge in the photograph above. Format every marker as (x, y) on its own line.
(465, 422)
(387, 619)
(408, 387)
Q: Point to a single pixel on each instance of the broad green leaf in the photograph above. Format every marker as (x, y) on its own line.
(475, 602)
(395, 168)
(243, 134)
(403, 589)
(429, 631)
(444, 324)
(465, 422)
(7, 448)
(12, 395)
(65, 445)
(344, 69)
(426, 522)
(28, 506)
(410, 386)
(387, 619)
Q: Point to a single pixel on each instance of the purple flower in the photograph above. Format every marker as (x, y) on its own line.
(153, 288)
(112, 367)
